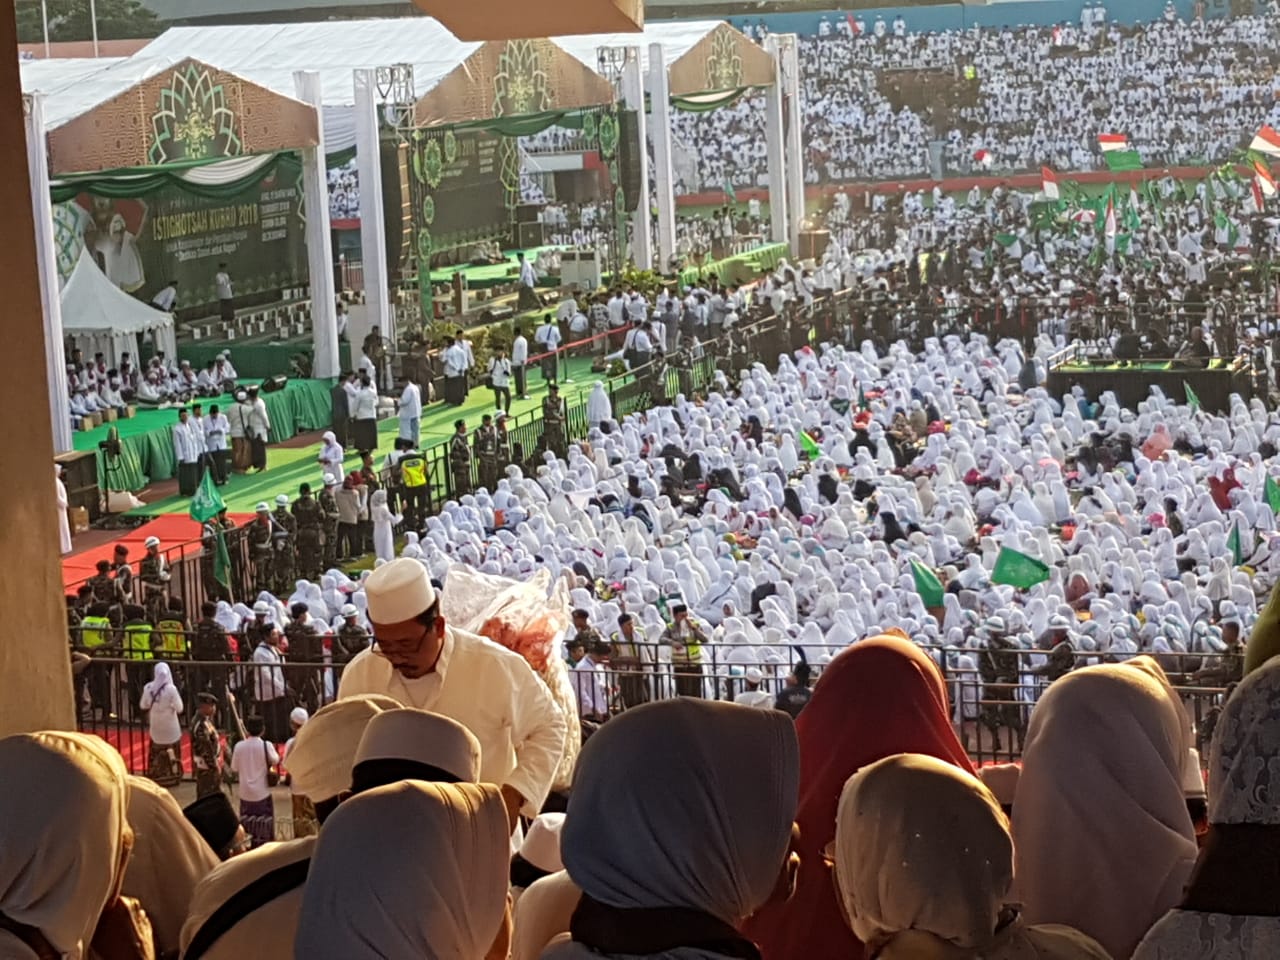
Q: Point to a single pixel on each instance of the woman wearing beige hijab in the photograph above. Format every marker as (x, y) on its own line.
(1103, 838)
(1232, 907)
(924, 863)
(64, 843)
(410, 871)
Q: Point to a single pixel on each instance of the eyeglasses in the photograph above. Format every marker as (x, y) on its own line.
(393, 648)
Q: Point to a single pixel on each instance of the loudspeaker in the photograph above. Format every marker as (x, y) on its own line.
(528, 212)
(397, 203)
(630, 168)
(529, 235)
(273, 384)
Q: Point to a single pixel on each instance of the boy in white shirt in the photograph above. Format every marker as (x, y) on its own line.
(251, 761)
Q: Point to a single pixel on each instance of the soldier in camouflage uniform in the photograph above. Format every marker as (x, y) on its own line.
(261, 551)
(460, 459)
(350, 640)
(310, 520)
(283, 537)
(486, 444)
(213, 589)
(153, 572)
(553, 421)
(305, 646)
(206, 747)
(329, 510)
(998, 667)
(210, 645)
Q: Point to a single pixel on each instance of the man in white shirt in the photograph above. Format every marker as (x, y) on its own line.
(424, 663)
(364, 415)
(752, 695)
(520, 357)
(410, 410)
(167, 297)
(527, 300)
(207, 381)
(454, 358)
(257, 430)
(547, 337)
(187, 452)
(591, 684)
(251, 761)
(217, 431)
(226, 294)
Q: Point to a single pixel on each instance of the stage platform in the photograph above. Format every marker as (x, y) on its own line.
(259, 357)
(146, 439)
(491, 275)
(1132, 383)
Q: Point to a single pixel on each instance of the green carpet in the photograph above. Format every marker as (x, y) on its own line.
(147, 439)
(483, 277)
(257, 358)
(289, 467)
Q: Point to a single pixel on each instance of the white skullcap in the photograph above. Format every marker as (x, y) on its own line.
(262, 607)
(541, 845)
(298, 716)
(330, 480)
(324, 752)
(399, 591)
(151, 542)
(349, 610)
(282, 499)
(422, 737)
(754, 675)
(262, 508)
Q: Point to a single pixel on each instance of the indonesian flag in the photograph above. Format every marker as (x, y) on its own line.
(1267, 141)
(1049, 183)
(983, 158)
(1113, 141)
(1263, 180)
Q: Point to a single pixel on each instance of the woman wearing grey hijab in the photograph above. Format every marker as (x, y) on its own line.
(669, 863)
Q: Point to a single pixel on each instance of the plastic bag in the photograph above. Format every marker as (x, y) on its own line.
(521, 617)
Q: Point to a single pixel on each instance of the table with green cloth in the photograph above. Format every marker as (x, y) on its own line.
(146, 440)
(255, 360)
(741, 268)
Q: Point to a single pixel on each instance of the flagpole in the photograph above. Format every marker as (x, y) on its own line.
(93, 20)
(44, 17)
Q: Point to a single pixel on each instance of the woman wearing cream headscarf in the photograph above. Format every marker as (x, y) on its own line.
(1232, 907)
(670, 863)
(412, 870)
(1103, 838)
(164, 705)
(64, 841)
(167, 861)
(924, 863)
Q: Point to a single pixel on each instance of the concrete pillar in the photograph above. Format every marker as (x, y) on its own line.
(633, 97)
(774, 143)
(373, 234)
(35, 665)
(46, 256)
(315, 186)
(660, 131)
(788, 54)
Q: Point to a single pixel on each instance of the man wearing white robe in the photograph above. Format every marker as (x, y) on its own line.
(410, 411)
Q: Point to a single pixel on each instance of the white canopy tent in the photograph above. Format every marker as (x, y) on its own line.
(99, 317)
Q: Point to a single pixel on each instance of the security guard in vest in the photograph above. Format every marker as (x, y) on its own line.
(413, 485)
(460, 459)
(137, 652)
(97, 640)
(487, 453)
(686, 638)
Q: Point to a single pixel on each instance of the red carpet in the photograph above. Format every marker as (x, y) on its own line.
(135, 746)
(174, 531)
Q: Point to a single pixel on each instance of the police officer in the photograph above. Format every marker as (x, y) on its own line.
(486, 444)
(329, 511)
(284, 535)
(310, 520)
(553, 421)
(685, 637)
(460, 459)
(261, 553)
(413, 484)
(154, 574)
(205, 746)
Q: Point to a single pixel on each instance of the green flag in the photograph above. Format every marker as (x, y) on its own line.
(1006, 239)
(1018, 570)
(1192, 400)
(862, 399)
(205, 505)
(1271, 490)
(729, 191)
(1121, 161)
(927, 584)
(1234, 542)
(809, 446)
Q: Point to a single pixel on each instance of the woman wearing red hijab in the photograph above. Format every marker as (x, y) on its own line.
(881, 697)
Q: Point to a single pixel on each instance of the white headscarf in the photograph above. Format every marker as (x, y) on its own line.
(62, 835)
(168, 859)
(408, 870)
(1103, 838)
(707, 828)
(924, 863)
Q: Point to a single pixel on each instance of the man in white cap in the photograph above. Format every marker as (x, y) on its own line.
(752, 695)
(153, 573)
(423, 662)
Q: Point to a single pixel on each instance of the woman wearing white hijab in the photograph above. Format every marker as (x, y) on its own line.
(1231, 910)
(167, 861)
(924, 863)
(162, 699)
(331, 455)
(1103, 838)
(65, 842)
(670, 863)
(408, 871)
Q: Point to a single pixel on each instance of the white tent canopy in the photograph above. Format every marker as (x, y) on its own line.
(102, 318)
